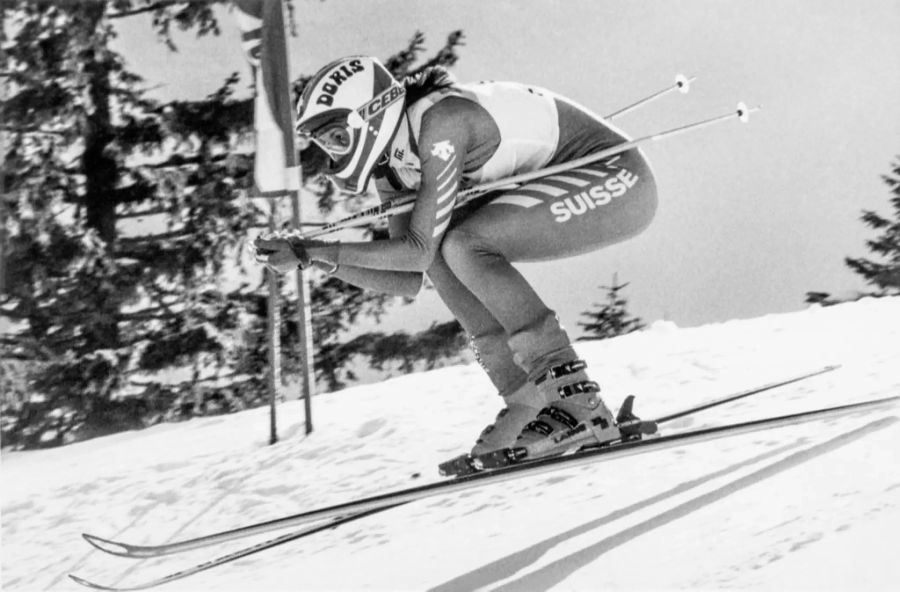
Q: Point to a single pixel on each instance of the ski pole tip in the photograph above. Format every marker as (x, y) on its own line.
(743, 112)
(684, 83)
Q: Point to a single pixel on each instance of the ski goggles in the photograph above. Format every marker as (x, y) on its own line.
(335, 138)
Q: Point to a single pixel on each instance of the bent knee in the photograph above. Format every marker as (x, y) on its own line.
(461, 246)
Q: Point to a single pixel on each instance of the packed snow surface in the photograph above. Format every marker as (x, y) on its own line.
(812, 507)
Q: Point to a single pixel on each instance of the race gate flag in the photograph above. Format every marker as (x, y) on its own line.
(263, 38)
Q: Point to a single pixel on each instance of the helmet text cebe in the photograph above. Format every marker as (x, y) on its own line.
(338, 77)
(381, 102)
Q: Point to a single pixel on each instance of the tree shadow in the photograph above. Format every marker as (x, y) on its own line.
(554, 573)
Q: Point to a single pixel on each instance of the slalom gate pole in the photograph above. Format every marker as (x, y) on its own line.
(406, 203)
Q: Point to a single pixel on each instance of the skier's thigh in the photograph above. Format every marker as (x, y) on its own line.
(568, 214)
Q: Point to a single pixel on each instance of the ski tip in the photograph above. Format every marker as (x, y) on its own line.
(106, 545)
(87, 583)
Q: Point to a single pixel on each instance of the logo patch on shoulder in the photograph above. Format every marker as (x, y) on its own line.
(443, 150)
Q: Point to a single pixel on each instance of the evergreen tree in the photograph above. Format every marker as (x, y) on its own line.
(611, 319)
(121, 218)
(120, 212)
(883, 274)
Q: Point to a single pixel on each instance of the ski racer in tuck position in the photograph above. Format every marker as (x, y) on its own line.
(434, 137)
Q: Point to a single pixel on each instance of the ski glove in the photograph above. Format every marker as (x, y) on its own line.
(282, 252)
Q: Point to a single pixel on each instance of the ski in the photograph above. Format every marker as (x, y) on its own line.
(350, 511)
(628, 427)
(743, 394)
(145, 551)
(229, 557)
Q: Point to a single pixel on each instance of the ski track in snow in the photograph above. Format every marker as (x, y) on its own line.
(811, 507)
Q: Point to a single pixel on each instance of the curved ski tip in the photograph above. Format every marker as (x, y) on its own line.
(88, 583)
(684, 83)
(106, 545)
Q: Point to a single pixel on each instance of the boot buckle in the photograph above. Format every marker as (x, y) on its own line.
(562, 370)
(578, 388)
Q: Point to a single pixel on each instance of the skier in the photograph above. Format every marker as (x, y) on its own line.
(431, 136)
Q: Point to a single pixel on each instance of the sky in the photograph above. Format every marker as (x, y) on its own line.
(751, 216)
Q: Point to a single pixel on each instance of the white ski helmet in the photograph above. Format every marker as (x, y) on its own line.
(351, 108)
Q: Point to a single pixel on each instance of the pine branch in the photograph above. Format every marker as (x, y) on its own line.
(138, 382)
(134, 193)
(145, 316)
(874, 220)
(13, 313)
(177, 160)
(17, 357)
(30, 129)
(152, 8)
(10, 340)
(138, 240)
(142, 213)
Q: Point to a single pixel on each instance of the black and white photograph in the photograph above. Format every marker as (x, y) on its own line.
(449, 296)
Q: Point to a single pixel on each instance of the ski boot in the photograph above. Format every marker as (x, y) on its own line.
(574, 417)
(557, 430)
(576, 414)
(521, 407)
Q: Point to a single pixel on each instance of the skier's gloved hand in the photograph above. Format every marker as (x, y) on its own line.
(281, 252)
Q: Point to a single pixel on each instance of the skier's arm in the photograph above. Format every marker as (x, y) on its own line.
(442, 145)
(396, 283)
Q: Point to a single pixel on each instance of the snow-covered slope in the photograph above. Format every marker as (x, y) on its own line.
(813, 507)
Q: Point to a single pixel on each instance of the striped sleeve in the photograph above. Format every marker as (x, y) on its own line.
(443, 144)
(447, 188)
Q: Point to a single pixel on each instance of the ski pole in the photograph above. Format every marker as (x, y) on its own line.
(682, 85)
(405, 204)
(742, 113)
